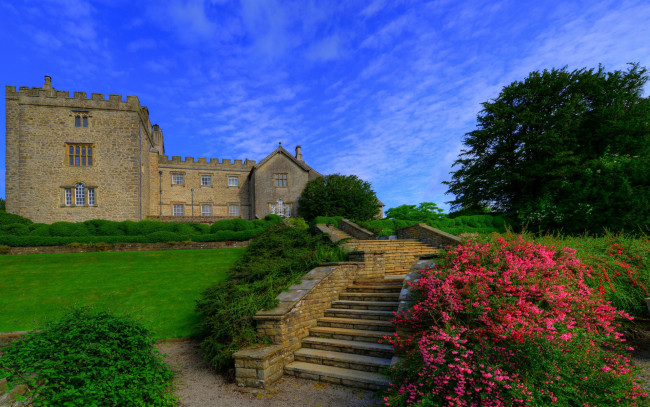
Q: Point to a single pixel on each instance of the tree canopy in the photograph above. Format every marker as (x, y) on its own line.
(563, 150)
(338, 195)
(424, 212)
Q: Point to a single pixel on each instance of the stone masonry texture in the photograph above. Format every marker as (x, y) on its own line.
(130, 175)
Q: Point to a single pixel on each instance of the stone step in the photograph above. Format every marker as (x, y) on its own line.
(384, 281)
(359, 314)
(350, 323)
(369, 296)
(374, 305)
(378, 288)
(344, 360)
(361, 335)
(337, 375)
(341, 345)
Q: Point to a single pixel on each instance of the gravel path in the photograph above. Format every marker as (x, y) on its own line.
(198, 386)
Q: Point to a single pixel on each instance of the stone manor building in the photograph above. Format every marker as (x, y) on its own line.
(78, 158)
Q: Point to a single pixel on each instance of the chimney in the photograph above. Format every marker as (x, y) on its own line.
(48, 83)
(159, 143)
(299, 153)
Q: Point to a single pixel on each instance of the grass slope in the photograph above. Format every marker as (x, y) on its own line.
(158, 287)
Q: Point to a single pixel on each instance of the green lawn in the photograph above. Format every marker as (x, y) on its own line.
(158, 287)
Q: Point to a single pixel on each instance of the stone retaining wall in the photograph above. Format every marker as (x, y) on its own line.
(300, 307)
(355, 230)
(125, 247)
(427, 234)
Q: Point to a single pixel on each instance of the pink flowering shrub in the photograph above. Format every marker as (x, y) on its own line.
(511, 323)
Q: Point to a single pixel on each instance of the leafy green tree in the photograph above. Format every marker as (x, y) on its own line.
(562, 150)
(424, 212)
(338, 195)
(2, 204)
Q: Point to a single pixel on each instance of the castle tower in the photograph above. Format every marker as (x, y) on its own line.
(76, 158)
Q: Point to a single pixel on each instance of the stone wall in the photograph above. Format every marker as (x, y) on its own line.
(427, 234)
(130, 175)
(300, 307)
(219, 195)
(126, 247)
(41, 125)
(355, 230)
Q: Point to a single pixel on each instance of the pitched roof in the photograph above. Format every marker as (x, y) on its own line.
(281, 150)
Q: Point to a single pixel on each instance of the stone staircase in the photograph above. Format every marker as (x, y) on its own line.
(399, 254)
(344, 347)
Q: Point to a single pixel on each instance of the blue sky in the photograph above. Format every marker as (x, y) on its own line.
(385, 90)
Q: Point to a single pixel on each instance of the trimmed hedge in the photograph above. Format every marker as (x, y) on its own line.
(22, 232)
(9, 218)
(455, 226)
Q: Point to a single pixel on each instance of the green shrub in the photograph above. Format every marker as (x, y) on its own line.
(180, 228)
(274, 219)
(17, 229)
(39, 229)
(275, 260)
(10, 218)
(327, 220)
(375, 227)
(101, 227)
(200, 228)
(297, 223)
(90, 358)
(144, 227)
(236, 224)
(164, 237)
(65, 229)
(4, 249)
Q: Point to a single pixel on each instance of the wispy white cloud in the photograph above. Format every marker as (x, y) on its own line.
(326, 49)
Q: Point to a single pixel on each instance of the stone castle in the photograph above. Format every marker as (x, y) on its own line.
(78, 158)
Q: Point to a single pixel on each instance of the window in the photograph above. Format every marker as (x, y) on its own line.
(233, 181)
(91, 196)
(177, 179)
(281, 209)
(206, 180)
(80, 155)
(280, 180)
(79, 196)
(178, 210)
(79, 120)
(233, 210)
(206, 210)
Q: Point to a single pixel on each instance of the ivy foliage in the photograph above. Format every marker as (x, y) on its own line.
(338, 195)
(563, 150)
(90, 358)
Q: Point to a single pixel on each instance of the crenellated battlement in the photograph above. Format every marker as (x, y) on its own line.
(51, 96)
(206, 163)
